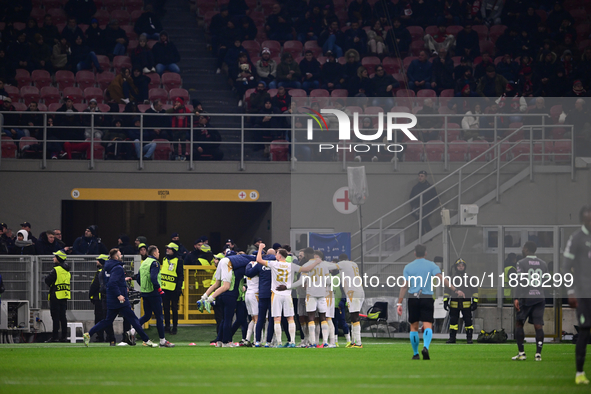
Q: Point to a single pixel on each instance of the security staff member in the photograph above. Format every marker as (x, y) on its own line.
(456, 305)
(509, 264)
(143, 251)
(149, 279)
(58, 281)
(94, 293)
(173, 276)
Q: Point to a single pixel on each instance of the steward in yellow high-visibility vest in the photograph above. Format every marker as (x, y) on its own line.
(58, 281)
(94, 293)
(172, 276)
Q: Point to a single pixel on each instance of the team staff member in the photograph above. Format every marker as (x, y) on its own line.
(117, 300)
(173, 276)
(94, 293)
(149, 279)
(530, 301)
(58, 281)
(421, 304)
(463, 305)
(264, 302)
(577, 261)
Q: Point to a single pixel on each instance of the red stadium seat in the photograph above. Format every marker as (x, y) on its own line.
(38, 14)
(426, 93)
(104, 62)
(13, 92)
(458, 150)
(155, 80)
(93, 93)
(279, 150)
(158, 94)
(80, 106)
(521, 151)
(297, 93)
(319, 93)
(112, 5)
(313, 46)
(413, 151)
(496, 31)
(122, 16)
(23, 78)
(416, 47)
(64, 79)
(98, 148)
(370, 63)
(53, 107)
(558, 133)
(85, 79)
(562, 151)
(392, 65)
(431, 30)
(135, 15)
(27, 142)
(407, 60)
(434, 150)
(102, 16)
(517, 136)
(482, 31)
(171, 81)
(339, 93)
(8, 147)
(543, 150)
(487, 47)
(293, 47)
(163, 149)
(182, 93)
(58, 15)
(29, 94)
(132, 5)
(478, 148)
(274, 47)
(75, 93)
(454, 30)
(41, 78)
(50, 95)
(120, 62)
(143, 107)
(252, 46)
(416, 32)
(104, 79)
(131, 34)
(405, 97)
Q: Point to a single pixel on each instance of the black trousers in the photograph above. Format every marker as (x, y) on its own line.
(170, 301)
(58, 310)
(109, 328)
(98, 316)
(454, 316)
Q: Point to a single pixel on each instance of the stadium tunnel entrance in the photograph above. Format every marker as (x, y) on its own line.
(157, 220)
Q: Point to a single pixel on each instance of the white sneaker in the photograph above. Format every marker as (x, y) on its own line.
(218, 71)
(229, 344)
(218, 344)
(538, 357)
(126, 101)
(149, 343)
(153, 70)
(123, 344)
(146, 70)
(240, 103)
(519, 357)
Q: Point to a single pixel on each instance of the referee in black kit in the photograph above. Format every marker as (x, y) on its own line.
(421, 305)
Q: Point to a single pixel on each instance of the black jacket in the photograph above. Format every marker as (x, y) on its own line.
(430, 199)
(148, 23)
(166, 54)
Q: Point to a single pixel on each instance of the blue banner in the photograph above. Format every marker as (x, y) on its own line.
(332, 245)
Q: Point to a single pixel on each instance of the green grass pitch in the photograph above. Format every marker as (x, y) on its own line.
(381, 365)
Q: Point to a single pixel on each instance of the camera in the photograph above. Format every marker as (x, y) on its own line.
(134, 296)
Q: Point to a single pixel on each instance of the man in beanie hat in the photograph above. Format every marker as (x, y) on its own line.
(182, 251)
(172, 284)
(58, 281)
(140, 239)
(166, 55)
(266, 67)
(95, 296)
(89, 243)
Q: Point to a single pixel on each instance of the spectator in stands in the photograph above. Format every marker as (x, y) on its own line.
(41, 54)
(122, 88)
(376, 40)
(579, 118)
(12, 121)
(429, 126)
(82, 10)
(166, 55)
(384, 11)
(443, 72)
(89, 243)
(142, 56)
(311, 26)
(31, 29)
(142, 83)
(229, 41)
(96, 120)
(148, 23)
(558, 85)
(124, 246)
(467, 42)
(115, 39)
(449, 13)
(82, 57)
(440, 40)
(179, 129)
(54, 149)
(158, 124)
(556, 18)
(382, 85)
(508, 68)
(464, 99)
(268, 122)
(512, 102)
(23, 245)
(95, 37)
(233, 61)
(49, 31)
(61, 51)
(282, 100)
(361, 84)
(46, 243)
(278, 26)
(244, 77)
(310, 69)
(248, 30)
(288, 73)
(398, 39)
(7, 71)
(420, 73)
(578, 90)
(219, 22)
(540, 109)
(417, 12)
(491, 11)
(509, 42)
(3, 92)
(360, 10)
(135, 134)
(27, 227)
(512, 12)
(71, 31)
(266, 67)
(114, 149)
(257, 99)
(567, 63)
(480, 69)
(492, 84)
(204, 135)
(32, 121)
(355, 38)
(17, 11)
(583, 69)
(332, 74)
(331, 39)
(471, 123)
(238, 9)
(352, 65)
(20, 53)
(540, 37)
(525, 83)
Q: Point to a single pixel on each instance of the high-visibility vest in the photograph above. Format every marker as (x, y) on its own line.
(146, 285)
(97, 278)
(62, 283)
(507, 290)
(168, 274)
(206, 282)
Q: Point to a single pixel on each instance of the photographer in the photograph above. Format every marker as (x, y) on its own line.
(151, 292)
